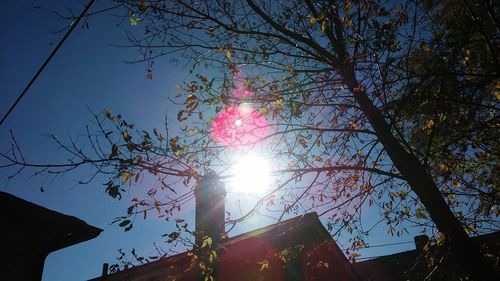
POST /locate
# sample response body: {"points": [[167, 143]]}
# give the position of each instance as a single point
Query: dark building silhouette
{"points": [[30, 232], [415, 265], [296, 249]]}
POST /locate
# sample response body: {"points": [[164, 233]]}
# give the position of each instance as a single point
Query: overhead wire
{"points": [[46, 62], [384, 245], [377, 246], [389, 244]]}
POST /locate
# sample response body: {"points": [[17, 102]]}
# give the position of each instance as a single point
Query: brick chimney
{"points": [[210, 194]]}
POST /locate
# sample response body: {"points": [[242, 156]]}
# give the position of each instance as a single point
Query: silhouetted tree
{"points": [[358, 103]]}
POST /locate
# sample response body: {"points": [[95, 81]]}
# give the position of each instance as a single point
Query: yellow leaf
{"points": [[443, 167], [126, 136], [229, 54], [312, 21], [429, 124], [347, 7], [181, 152], [442, 117], [279, 103], [134, 20], [441, 240], [192, 131], [125, 177], [108, 113], [324, 25], [138, 158], [302, 142], [264, 265], [496, 90], [207, 241], [425, 48], [211, 256]]}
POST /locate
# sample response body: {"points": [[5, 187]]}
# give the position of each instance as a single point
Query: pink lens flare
{"points": [[239, 126]]}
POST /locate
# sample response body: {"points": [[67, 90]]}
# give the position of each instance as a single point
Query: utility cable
{"points": [[73, 25], [390, 244]]}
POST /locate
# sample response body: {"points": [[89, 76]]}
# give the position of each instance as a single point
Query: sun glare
{"points": [[251, 175]]}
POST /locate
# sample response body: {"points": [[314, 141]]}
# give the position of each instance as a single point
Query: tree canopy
{"points": [[386, 104]]}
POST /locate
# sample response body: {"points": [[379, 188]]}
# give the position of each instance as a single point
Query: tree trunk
{"points": [[423, 185]]}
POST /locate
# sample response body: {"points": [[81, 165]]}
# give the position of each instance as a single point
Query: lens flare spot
{"points": [[239, 126]]}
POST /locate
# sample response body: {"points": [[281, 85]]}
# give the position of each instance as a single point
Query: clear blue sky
{"points": [[86, 72]]}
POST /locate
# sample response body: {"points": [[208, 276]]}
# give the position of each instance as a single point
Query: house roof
{"points": [[30, 232], [412, 264], [308, 222], [305, 229], [41, 224]]}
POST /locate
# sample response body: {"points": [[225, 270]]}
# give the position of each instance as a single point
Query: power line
{"points": [[72, 27], [384, 245], [390, 244], [367, 258], [380, 245]]}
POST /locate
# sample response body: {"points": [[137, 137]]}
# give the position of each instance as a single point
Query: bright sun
{"points": [[251, 175]]}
